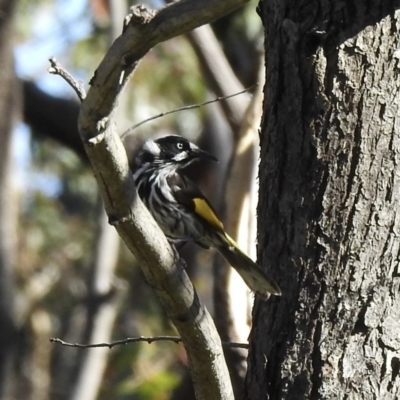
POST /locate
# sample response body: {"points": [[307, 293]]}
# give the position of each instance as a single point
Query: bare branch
{"points": [[161, 266], [190, 107], [57, 69], [143, 31], [148, 339], [220, 74], [100, 317], [231, 321], [241, 201]]}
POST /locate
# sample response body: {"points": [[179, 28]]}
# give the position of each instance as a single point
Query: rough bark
{"points": [[329, 208]]}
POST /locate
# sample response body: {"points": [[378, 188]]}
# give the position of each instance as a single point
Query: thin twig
{"points": [[163, 114], [148, 339], [57, 69]]}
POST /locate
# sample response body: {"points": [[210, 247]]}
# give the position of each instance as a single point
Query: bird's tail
{"points": [[255, 277]]}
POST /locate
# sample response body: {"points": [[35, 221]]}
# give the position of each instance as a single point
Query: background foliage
{"points": [[60, 213]]}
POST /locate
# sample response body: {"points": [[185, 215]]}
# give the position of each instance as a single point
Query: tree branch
{"points": [[100, 316], [190, 107], [148, 339], [56, 69], [160, 264], [143, 30], [220, 74], [230, 292]]}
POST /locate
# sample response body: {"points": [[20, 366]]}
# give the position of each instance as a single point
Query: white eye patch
{"points": [[181, 156], [152, 147]]}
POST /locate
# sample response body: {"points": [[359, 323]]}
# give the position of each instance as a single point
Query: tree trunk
{"points": [[9, 107], [329, 218]]}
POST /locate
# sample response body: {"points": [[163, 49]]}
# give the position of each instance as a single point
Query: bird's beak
{"points": [[203, 154]]}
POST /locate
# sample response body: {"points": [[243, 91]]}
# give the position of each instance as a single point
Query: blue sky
{"points": [[55, 26]]}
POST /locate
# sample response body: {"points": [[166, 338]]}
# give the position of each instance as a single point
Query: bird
{"points": [[181, 210]]}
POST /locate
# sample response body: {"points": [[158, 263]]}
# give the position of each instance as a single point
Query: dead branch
{"points": [[220, 74], [147, 339], [100, 316], [190, 107], [161, 266], [56, 69]]}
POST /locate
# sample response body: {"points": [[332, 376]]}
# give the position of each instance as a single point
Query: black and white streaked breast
{"points": [[172, 217]]}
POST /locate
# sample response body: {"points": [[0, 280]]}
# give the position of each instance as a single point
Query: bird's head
{"points": [[172, 151]]}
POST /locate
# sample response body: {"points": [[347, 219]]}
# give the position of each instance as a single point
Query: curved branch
{"points": [[161, 266], [143, 30]]}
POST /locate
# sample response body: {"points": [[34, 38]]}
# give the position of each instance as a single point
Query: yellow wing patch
{"points": [[202, 208]]}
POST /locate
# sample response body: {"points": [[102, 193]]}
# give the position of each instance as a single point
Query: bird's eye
{"points": [[179, 146]]}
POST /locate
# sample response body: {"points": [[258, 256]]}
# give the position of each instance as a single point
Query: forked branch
{"points": [[163, 270]]}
